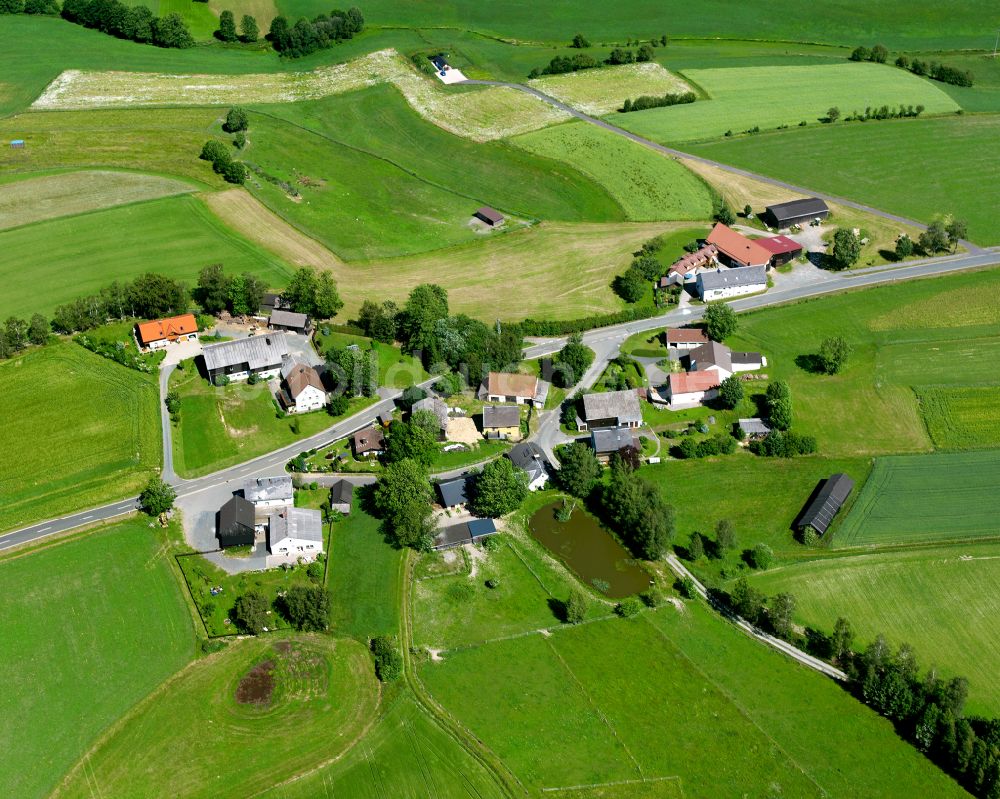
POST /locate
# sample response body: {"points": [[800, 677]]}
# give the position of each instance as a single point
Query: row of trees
{"points": [[308, 36], [46, 7], [150, 296], [880, 112], [223, 163], [937, 71], [216, 291], [16, 334], [136, 23], [248, 33], [562, 64], [656, 101]]}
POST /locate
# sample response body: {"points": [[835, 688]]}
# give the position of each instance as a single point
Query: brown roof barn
{"points": [[491, 216], [738, 248]]}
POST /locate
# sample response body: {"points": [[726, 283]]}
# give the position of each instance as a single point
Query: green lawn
{"points": [[91, 436], [664, 696], [743, 97], [647, 185], [941, 601], [937, 165], [53, 262], [104, 603], [220, 426], [181, 740], [920, 498], [395, 369]]}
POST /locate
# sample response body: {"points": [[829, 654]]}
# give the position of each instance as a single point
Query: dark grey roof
{"points": [[809, 206], [453, 492], [453, 536], [746, 357], [526, 455], [259, 352], [740, 276], [491, 215], [827, 502], [481, 527], [236, 519], [341, 493], [501, 416], [289, 319], [620, 405], [711, 354], [611, 439], [434, 405]]}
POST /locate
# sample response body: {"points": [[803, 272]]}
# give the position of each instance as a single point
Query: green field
{"points": [[57, 261], [962, 418], [221, 426], [937, 165], [50, 466], [656, 697], [770, 96], [912, 499], [648, 186], [395, 369], [183, 739], [941, 601], [88, 627]]}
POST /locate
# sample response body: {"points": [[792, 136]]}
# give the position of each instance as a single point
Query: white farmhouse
{"points": [[294, 535], [269, 492], [722, 284], [303, 390]]}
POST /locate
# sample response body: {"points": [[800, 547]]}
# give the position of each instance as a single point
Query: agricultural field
{"points": [[47, 197], [962, 418], [588, 716], [742, 98], [404, 755], [601, 91], [647, 185], [59, 260], [942, 601], [69, 617], [108, 452], [915, 499], [297, 703], [956, 148], [222, 426]]}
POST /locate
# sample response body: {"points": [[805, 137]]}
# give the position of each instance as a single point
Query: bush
{"points": [[388, 660], [236, 120], [628, 607], [575, 607], [761, 556], [307, 607], [653, 598], [250, 612], [687, 589]]}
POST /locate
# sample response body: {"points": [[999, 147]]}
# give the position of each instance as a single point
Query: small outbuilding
{"points": [[470, 532], [281, 319], [753, 428], [341, 496], [795, 212], [685, 338], [491, 216], [454, 493], [782, 248], [828, 500]]}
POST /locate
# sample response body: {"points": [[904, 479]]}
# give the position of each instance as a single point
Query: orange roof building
{"points": [[740, 250], [693, 382], [160, 332]]}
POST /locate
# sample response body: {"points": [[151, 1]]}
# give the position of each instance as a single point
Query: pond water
{"points": [[590, 551]]}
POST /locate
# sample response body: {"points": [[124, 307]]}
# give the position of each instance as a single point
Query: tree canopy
{"points": [[720, 320], [403, 500], [579, 469], [499, 489], [638, 512]]}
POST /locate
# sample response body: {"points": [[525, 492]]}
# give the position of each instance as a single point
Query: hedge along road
{"points": [[972, 248]]}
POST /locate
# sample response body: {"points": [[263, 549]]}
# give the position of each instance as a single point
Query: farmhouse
{"points": [[303, 390], [341, 496], [502, 422], [517, 388], [607, 441], [470, 532], [782, 249], [491, 216], [294, 535], [610, 409], [281, 319], [269, 492], [160, 333], [438, 408], [685, 338], [690, 389], [529, 458], [685, 268], [828, 500], [795, 212], [258, 355], [724, 283], [368, 442], [235, 523], [454, 492], [736, 249], [712, 357]]}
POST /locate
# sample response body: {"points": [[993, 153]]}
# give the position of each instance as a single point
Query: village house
{"points": [[610, 409], [281, 319], [736, 249], [726, 283], [294, 535], [607, 441], [368, 443], [269, 492], [341, 497], [237, 360], [712, 356], [436, 407], [516, 388], [685, 338], [454, 493], [235, 523], [303, 388], [690, 389], [529, 458], [686, 267], [795, 212], [502, 422], [160, 333]]}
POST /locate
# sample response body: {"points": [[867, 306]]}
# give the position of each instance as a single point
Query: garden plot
{"points": [[601, 91], [484, 115]]}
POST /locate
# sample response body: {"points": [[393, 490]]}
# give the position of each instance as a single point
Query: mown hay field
{"points": [[47, 197], [647, 185], [911, 499], [744, 97], [88, 627], [188, 734], [941, 601], [601, 91], [937, 166], [77, 430]]}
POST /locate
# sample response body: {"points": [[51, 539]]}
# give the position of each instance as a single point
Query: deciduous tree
{"points": [[403, 500], [307, 607], [250, 612], [934, 239], [575, 607], [212, 291], [731, 391], [237, 118], [39, 329], [410, 441], [499, 489], [579, 470], [720, 321], [227, 27], [249, 32], [846, 248], [780, 610], [833, 354], [157, 497], [572, 361], [725, 536], [328, 301]]}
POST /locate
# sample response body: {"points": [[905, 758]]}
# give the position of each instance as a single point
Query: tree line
{"points": [[149, 296], [45, 7], [647, 101], [16, 334], [562, 64], [308, 36], [226, 32], [135, 23], [932, 69]]}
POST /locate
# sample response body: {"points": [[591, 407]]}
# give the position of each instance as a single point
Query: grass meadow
{"points": [[601, 91], [938, 166], [77, 430], [185, 738], [52, 262], [741, 98], [88, 627], [913, 499], [653, 698], [395, 369], [942, 601], [962, 418], [648, 186]]}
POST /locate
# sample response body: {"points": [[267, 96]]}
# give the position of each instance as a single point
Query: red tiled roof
{"points": [[779, 245], [738, 247], [169, 329], [686, 335], [688, 382]]}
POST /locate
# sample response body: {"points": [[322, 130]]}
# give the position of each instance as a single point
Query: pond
{"points": [[590, 551]]}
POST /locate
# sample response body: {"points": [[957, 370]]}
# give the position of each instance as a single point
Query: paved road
{"points": [[675, 153]]}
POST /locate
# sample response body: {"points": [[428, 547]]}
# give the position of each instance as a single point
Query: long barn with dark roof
{"points": [[795, 212], [828, 500]]}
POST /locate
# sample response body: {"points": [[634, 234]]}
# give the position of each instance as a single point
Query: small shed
{"points": [[17, 144], [491, 216], [289, 320], [828, 500], [480, 528], [753, 428], [341, 496], [453, 492]]}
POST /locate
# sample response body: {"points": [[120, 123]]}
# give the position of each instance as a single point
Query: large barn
{"points": [[795, 212], [828, 500]]}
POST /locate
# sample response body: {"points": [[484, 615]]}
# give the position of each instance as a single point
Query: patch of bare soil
{"points": [[257, 685]]}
